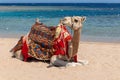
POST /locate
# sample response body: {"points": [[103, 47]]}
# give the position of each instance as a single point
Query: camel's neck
{"points": [[75, 41], [76, 35]]}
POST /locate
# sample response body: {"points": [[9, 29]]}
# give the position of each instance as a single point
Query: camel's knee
{"points": [[53, 59]]}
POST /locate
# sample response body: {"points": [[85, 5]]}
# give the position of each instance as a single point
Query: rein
{"points": [[72, 22]]}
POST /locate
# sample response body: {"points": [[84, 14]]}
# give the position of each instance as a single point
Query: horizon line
{"points": [[60, 3]]}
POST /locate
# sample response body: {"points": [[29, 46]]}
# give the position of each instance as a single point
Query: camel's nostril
{"points": [[63, 23]]}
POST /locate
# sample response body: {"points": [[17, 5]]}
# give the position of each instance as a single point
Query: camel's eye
{"points": [[65, 19], [76, 20]]}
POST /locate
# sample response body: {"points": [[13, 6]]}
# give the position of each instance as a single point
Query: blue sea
{"points": [[102, 19]]}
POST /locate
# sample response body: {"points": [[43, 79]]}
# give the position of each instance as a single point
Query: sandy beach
{"points": [[103, 64]]}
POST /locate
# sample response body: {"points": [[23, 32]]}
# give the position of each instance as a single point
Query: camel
{"points": [[75, 23]]}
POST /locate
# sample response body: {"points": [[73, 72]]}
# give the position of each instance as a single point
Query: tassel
{"points": [[25, 51]]}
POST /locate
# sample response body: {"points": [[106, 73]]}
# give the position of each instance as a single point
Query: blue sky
{"points": [[59, 1]]}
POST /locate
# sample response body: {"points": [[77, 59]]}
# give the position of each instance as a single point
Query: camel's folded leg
{"points": [[83, 62], [57, 62], [18, 55]]}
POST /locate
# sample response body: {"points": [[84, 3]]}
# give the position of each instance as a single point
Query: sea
{"points": [[102, 19]]}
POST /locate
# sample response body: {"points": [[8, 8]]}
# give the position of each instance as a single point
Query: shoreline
{"points": [[81, 41]]}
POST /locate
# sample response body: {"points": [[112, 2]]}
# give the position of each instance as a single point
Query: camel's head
{"points": [[74, 22]]}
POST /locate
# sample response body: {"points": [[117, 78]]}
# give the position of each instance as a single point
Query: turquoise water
{"points": [[102, 23]]}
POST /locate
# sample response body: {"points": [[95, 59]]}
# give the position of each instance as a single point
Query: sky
{"points": [[59, 1]]}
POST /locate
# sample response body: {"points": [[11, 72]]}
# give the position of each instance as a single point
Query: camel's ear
{"points": [[37, 20], [83, 18]]}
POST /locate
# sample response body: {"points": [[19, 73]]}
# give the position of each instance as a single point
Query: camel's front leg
{"points": [[57, 62], [83, 62], [70, 49]]}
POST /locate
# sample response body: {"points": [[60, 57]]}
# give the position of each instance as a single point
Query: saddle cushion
{"points": [[41, 41]]}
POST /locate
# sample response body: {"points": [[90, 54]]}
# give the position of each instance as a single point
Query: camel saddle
{"points": [[41, 41]]}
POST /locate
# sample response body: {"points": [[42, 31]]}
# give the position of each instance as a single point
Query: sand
{"points": [[103, 64]]}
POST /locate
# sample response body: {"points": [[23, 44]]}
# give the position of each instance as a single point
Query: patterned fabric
{"points": [[38, 43], [41, 41], [40, 52], [40, 33]]}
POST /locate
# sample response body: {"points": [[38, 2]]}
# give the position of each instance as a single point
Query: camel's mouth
{"points": [[64, 24]]}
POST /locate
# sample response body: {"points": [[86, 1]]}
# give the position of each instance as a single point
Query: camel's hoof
{"points": [[73, 64], [70, 65], [83, 62]]}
